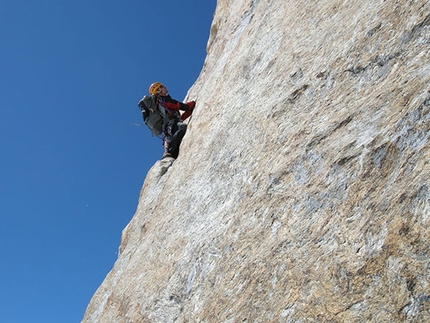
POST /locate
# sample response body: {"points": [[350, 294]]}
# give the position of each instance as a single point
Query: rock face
{"points": [[302, 189]]}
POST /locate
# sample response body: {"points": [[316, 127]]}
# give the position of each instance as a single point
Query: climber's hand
{"points": [[191, 104]]}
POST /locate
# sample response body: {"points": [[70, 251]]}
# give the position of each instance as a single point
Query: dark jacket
{"points": [[171, 107]]}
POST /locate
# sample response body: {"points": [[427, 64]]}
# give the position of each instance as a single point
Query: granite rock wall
{"points": [[302, 189]]}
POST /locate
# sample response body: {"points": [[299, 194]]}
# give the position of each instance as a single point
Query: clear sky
{"points": [[72, 162]]}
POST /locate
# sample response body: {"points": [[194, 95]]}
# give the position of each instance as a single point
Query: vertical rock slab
{"points": [[301, 192]]}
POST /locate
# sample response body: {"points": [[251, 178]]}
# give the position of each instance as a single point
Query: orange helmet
{"points": [[153, 89]]}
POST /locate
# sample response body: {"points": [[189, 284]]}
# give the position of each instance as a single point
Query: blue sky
{"points": [[72, 162]]}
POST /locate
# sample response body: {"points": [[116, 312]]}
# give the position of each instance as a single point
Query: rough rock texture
{"points": [[302, 190]]}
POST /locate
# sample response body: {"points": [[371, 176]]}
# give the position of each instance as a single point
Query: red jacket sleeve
{"points": [[173, 104]]}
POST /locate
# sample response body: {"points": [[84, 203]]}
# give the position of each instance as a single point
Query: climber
{"points": [[173, 128]]}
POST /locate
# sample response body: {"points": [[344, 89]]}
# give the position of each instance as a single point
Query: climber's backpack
{"points": [[151, 115]]}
